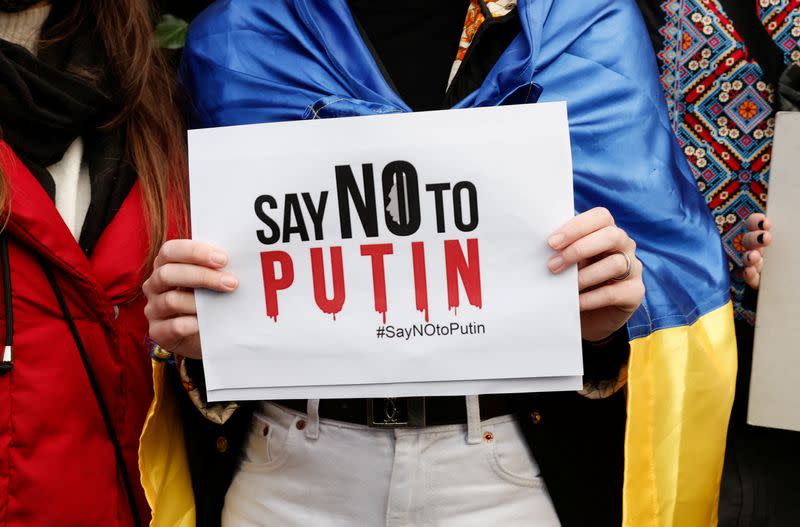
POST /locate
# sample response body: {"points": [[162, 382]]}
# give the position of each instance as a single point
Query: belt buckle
{"points": [[396, 412]]}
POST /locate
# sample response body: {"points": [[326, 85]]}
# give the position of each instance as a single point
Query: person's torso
{"points": [[58, 465]]}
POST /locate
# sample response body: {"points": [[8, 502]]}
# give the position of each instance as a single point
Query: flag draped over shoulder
{"points": [[249, 61]]}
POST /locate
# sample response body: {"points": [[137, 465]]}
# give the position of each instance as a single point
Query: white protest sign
{"points": [[394, 252], [774, 399]]}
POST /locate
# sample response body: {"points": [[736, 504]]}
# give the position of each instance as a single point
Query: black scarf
{"points": [[44, 109]]}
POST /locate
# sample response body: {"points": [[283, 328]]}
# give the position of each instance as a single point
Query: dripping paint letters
{"points": [[387, 251], [402, 216]]}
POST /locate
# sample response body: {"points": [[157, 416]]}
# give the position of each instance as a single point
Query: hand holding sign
{"points": [[606, 304], [609, 276], [374, 257], [755, 241], [181, 267]]}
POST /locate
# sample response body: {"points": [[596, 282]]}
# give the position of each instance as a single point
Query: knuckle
{"points": [[171, 300], [208, 278], [639, 290], [167, 250], [185, 326], [178, 328], [156, 331], [163, 274], [197, 252], [604, 215], [613, 296], [576, 252], [621, 263], [620, 236], [203, 277]]}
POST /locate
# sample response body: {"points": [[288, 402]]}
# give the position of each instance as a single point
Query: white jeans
{"points": [[300, 470]]}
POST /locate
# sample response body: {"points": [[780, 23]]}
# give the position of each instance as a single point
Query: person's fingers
{"points": [[752, 258], [191, 252], [606, 240], [171, 332], [626, 296], [611, 267], [752, 277], [580, 226], [758, 222], [757, 240], [173, 275], [169, 304]]}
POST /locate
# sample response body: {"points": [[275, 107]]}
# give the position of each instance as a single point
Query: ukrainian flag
{"points": [[251, 61]]}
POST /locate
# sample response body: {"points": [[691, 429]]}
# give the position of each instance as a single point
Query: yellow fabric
{"points": [[680, 392], [162, 459]]}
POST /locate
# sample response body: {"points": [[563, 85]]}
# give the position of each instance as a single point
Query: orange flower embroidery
{"points": [[738, 243], [748, 109], [687, 42]]}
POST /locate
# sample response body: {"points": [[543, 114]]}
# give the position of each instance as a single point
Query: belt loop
{"points": [[473, 420], [312, 426]]}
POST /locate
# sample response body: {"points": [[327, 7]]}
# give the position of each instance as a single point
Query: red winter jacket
{"points": [[57, 463]]}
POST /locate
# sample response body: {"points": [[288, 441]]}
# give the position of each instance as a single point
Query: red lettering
{"points": [[272, 284], [377, 252], [420, 278], [469, 271], [333, 305]]}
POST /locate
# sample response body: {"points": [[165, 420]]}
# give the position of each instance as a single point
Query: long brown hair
{"points": [[142, 85]]}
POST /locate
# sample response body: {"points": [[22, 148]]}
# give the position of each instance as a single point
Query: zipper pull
{"points": [[8, 360]]}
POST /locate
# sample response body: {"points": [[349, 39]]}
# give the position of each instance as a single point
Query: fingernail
{"points": [[229, 282], [219, 259], [556, 240], [761, 238], [555, 263], [747, 257], [761, 225]]}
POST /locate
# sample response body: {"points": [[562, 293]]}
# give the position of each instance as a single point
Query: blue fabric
{"points": [[251, 61]]}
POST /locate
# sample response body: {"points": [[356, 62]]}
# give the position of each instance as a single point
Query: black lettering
{"points": [[438, 193], [292, 210], [401, 210], [347, 189], [472, 195], [316, 213], [269, 222]]}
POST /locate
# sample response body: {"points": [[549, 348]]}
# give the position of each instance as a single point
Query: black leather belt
{"points": [[401, 412]]}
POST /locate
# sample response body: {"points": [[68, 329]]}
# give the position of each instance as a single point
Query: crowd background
{"points": [[741, 55], [725, 65]]}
